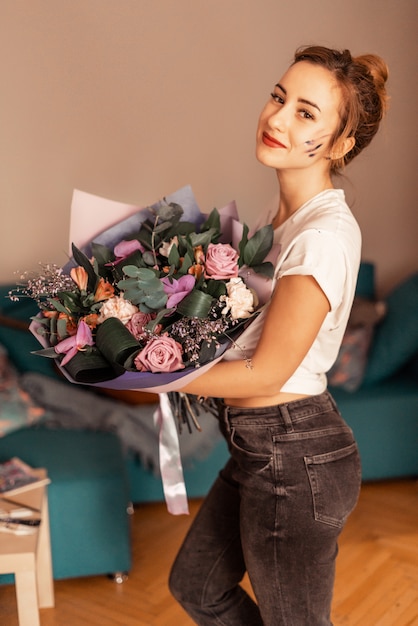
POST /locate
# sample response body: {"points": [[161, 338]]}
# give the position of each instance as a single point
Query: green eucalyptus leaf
{"points": [[183, 245], [164, 313], [58, 306], [143, 288], [152, 302], [142, 273], [88, 301], [53, 338], [70, 299], [186, 264], [47, 352], [43, 321], [266, 269], [207, 352], [213, 222], [216, 288], [144, 235], [204, 239], [162, 227], [149, 258], [258, 246], [62, 328], [182, 229], [102, 254], [242, 244], [174, 256], [135, 259], [169, 212]]}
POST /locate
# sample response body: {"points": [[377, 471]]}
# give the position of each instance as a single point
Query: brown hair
{"points": [[362, 80]]}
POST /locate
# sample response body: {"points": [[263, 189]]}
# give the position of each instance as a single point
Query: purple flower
{"points": [[73, 344], [124, 248], [177, 289]]}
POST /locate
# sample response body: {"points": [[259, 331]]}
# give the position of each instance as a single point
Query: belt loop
{"points": [[286, 418], [225, 418], [225, 412]]}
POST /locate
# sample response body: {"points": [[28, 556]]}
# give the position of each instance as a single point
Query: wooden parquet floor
{"points": [[376, 585]]}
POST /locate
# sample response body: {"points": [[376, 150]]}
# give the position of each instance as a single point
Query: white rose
{"points": [[240, 300], [117, 307], [167, 245]]}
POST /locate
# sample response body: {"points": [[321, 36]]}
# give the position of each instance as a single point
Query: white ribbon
{"points": [[170, 459]]}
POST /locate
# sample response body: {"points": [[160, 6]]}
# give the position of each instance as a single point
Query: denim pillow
{"points": [[395, 340]]}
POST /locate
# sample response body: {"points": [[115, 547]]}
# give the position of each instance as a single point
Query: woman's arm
{"points": [[294, 318]]}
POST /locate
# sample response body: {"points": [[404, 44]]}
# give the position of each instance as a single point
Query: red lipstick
{"points": [[272, 143]]}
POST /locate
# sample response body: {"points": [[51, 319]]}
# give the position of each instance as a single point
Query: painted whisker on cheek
{"points": [[312, 151], [313, 145]]}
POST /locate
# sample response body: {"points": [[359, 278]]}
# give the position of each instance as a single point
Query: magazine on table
{"points": [[16, 477]]}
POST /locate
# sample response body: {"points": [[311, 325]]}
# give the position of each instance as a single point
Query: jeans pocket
{"points": [[335, 479], [252, 450]]}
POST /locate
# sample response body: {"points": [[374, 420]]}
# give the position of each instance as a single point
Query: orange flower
{"points": [[51, 315], [198, 267], [80, 277], [104, 291], [199, 255], [71, 323], [196, 270], [91, 320]]}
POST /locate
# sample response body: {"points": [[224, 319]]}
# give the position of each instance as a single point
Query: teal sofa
{"points": [[94, 480], [382, 410]]}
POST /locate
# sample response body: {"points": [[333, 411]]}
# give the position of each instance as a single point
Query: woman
{"points": [[280, 503]]}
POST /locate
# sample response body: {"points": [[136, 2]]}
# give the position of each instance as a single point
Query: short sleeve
{"points": [[318, 253]]}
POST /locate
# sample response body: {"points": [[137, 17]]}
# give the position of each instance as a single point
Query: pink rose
{"points": [[221, 261], [137, 323], [161, 354]]}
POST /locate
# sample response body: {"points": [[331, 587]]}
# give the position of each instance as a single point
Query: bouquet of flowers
{"points": [[149, 301], [166, 298]]}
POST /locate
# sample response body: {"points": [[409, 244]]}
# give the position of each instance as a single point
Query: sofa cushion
{"points": [[348, 370], [366, 280], [396, 337], [87, 498], [17, 409]]}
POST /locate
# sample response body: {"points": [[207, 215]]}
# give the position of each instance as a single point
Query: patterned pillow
{"points": [[349, 369], [16, 407]]}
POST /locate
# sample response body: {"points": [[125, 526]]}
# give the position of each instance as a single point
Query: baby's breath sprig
{"points": [[47, 283]]}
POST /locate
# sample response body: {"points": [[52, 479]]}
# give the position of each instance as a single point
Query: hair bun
{"points": [[379, 72]]}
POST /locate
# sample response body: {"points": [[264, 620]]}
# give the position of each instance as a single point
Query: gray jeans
{"points": [[276, 510]]}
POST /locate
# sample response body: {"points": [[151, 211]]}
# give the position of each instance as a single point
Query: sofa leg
{"points": [[118, 577]]}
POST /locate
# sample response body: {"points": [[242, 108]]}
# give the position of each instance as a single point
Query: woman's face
{"points": [[298, 122]]}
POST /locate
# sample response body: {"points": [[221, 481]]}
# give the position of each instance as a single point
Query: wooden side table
{"points": [[28, 557]]}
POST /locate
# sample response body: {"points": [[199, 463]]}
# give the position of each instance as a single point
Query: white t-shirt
{"points": [[321, 239]]}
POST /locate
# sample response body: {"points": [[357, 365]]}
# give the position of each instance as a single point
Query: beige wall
{"points": [[131, 99]]}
